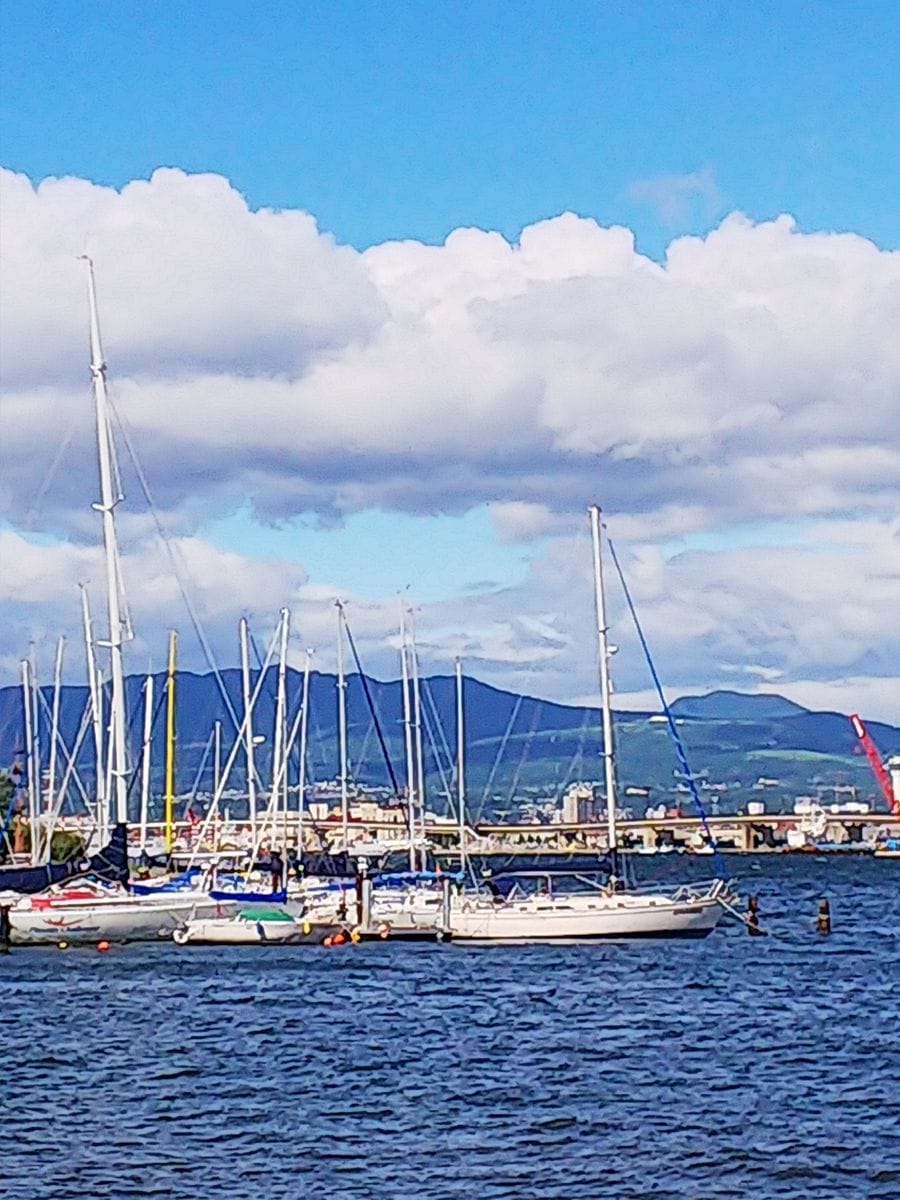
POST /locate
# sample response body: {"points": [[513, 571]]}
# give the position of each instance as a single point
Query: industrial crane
{"points": [[871, 752]]}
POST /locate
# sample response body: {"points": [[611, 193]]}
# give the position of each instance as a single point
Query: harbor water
{"points": [[764, 1067]]}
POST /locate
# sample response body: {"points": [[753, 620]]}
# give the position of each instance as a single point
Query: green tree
{"points": [[7, 791], [64, 845], [7, 787]]}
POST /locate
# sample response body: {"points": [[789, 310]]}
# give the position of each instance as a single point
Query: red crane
{"points": [[871, 751]]}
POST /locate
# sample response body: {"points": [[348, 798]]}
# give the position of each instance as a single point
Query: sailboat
{"points": [[551, 906], [94, 908]]}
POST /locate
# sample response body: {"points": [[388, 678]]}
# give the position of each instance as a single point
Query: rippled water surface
{"points": [[733, 1067]]}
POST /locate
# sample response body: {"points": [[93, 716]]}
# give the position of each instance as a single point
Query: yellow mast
{"points": [[170, 745]]}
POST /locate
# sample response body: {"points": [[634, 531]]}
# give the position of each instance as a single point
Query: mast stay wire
{"points": [[426, 688], [269, 682], [71, 773], [499, 755], [576, 762], [198, 775], [356, 770], [382, 741], [160, 704], [673, 729], [374, 712], [178, 566], [432, 722], [427, 726], [68, 756], [526, 750], [33, 505]]}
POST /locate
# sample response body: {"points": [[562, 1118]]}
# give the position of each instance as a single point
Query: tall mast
{"points": [[279, 772], [248, 729], [609, 768], [54, 738], [417, 717], [54, 722], [96, 717], [33, 781], [304, 735], [35, 752], [408, 741], [217, 755], [342, 725], [106, 507], [170, 743], [460, 766], [145, 759], [107, 757]]}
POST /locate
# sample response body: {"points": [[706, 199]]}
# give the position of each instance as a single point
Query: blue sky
{"points": [[406, 120], [739, 423], [424, 551]]}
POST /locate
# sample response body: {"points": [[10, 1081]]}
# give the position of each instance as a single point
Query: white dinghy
{"points": [[253, 925]]}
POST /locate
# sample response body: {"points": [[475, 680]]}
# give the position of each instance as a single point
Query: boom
{"points": [[871, 751]]}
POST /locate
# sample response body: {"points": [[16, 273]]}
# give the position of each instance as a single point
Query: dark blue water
{"points": [[734, 1067]]}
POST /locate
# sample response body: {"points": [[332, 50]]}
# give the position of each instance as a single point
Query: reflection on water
{"points": [[734, 1067]]}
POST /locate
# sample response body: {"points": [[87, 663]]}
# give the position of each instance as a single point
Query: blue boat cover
{"points": [[251, 897], [110, 864], [179, 883]]}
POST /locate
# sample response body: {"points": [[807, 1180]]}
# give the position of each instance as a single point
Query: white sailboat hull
{"points": [[120, 917], [576, 918], [237, 931]]}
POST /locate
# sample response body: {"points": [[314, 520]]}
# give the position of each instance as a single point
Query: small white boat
{"points": [[251, 926]]}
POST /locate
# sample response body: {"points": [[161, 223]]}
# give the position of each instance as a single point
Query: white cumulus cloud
{"points": [[753, 376]]}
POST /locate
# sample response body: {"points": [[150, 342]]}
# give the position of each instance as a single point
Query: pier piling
{"points": [[753, 926]]}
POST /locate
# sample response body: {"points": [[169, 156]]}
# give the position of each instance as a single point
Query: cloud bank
{"points": [[751, 380]]}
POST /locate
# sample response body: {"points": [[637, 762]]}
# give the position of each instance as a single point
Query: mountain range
{"points": [[517, 747]]}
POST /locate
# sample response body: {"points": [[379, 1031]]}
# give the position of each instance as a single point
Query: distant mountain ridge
{"points": [[737, 706], [516, 745]]}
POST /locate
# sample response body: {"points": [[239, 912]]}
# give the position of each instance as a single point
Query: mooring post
{"points": [[753, 927], [445, 903], [5, 929], [823, 920]]}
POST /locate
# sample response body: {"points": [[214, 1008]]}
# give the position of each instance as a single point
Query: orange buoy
{"points": [[103, 945], [329, 941], [339, 939]]}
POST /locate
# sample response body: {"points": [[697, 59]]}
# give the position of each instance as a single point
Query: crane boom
{"points": [[871, 752]]}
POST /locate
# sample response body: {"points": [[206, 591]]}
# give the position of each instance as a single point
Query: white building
{"points": [[580, 804]]}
